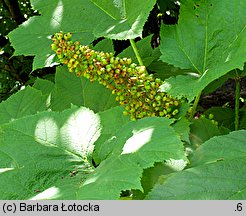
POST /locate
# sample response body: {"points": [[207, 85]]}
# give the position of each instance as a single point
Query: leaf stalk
{"points": [[134, 47], [237, 98], [195, 105]]}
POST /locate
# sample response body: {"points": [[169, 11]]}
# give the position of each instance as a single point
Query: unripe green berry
{"points": [[151, 96], [176, 103], [141, 69], [112, 59], [129, 70], [175, 112], [147, 87], [169, 109], [68, 36], [158, 97], [108, 68], [125, 112], [133, 65], [54, 47], [147, 100], [210, 116], [132, 110], [214, 122], [127, 108], [128, 61], [190, 110]]}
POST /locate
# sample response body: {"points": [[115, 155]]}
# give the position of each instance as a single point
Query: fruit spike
{"points": [[134, 88]]}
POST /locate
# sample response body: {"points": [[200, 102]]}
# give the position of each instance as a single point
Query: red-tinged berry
{"points": [[58, 51], [79, 73]]}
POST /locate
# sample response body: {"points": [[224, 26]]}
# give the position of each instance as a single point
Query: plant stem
{"points": [[237, 97], [133, 44], [195, 105]]}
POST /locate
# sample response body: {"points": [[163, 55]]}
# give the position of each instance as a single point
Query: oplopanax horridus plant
{"points": [[135, 89]]}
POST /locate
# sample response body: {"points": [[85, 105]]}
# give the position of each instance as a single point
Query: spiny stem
{"points": [[133, 44], [237, 98], [195, 105]]}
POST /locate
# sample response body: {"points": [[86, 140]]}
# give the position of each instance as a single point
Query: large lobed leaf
{"points": [[209, 39], [25, 102], [70, 89], [134, 147], [48, 155], [39, 152], [217, 172], [87, 19]]}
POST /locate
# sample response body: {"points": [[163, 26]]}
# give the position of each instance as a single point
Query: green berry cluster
{"points": [[134, 88]]}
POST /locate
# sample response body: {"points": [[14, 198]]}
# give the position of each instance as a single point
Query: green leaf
{"points": [[122, 19], [110, 178], [203, 129], [166, 5], [70, 89], [147, 135], [25, 102], [217, 172], [218, 82], [136, 146], [86, 19], [150, 177], [45, 156], [164, 70], [106, 45], [221, 149], [209, 39], [45, 86], [41, 152], [182, 127], [102, 149], [33, 36]]}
